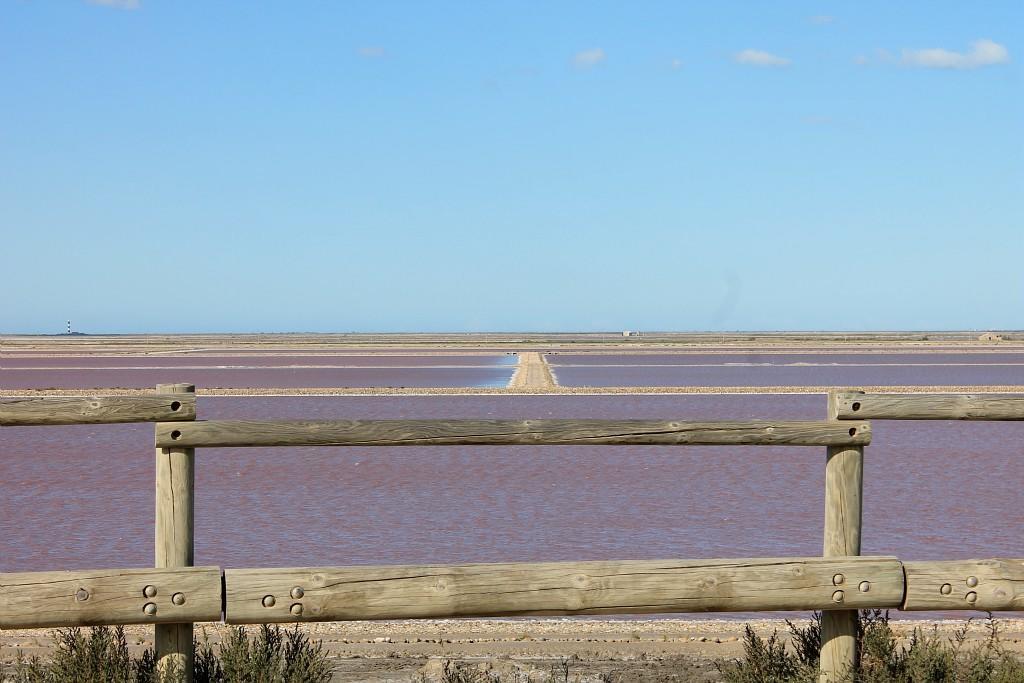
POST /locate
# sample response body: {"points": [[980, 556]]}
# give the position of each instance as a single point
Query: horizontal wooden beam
{"points": [[626, 587], [859, 406], [240, 433], [72, 410], [110, 596], [988, 585]]}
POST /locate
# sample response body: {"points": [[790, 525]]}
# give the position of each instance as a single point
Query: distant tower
{"points": [[69, 327]]}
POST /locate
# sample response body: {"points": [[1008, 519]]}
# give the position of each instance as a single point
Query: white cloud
{"points": [[982, 53], [676, 64], [822, 19], [372, 52], [119, 4], [760, 58], [589, 58]]}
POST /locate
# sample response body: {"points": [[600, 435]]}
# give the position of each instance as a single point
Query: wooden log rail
{"points": [[256, 433], [74, 410], [854, 405], [258, 596], [992, 585], [110, 596], [625, 587]]}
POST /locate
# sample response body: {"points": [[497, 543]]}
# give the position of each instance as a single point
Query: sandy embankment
{"points": [[533, 374]]}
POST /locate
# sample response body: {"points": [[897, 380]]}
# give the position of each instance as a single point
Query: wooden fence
{"points": [[174, 594]]}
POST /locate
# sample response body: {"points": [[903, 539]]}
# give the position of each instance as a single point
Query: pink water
{"points": [[788, 369], [237, 359], [721, 368], [77, 497], [239, 371]]}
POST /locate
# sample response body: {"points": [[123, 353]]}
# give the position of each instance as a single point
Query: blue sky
{"points": [[415, 166]]}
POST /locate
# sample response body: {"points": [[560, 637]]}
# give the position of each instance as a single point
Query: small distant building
{"points": [[990, 337], [630, 333]]}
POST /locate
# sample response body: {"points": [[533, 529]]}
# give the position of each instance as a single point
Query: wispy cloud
{"points": [[372, 52], [822, 19], [760, 58], [588, 58], [981, 53], [118, 4], [676, 64]]}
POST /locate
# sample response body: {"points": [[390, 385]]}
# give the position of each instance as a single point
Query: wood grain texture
{"points": [[241, 433], [69, 410], [109, 596], [174, 537], [861, 406], [844, 485], [993, 585], [623, 587]]}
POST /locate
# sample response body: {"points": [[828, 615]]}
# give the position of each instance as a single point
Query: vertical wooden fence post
{"points": [[844, 483], [175, 484]]}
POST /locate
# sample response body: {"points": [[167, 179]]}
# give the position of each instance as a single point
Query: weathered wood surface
{"points": [[844, 485], [237, 433], [990, 585], [174, 538], [860, 406], [624, 587], [109, 596], [71, 410]]}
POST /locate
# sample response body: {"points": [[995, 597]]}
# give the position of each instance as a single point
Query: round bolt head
{"points": [[82, 595], [149, 591], [838, 596], [296, 609], [971, 597], [269, 601], [297, 592], [149, 608], [946, 589], [865, 586], [838, 580], [178, 598], [972, 581]]}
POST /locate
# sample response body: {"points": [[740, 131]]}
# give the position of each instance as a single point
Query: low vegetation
{"points": [[102, 656], [925, 658], [273, 655]]}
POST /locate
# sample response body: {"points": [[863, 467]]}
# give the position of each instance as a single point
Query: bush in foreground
{"points": [[926, 658], [270, 656]]}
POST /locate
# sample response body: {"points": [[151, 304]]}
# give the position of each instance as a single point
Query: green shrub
{"points": [[100, 657], [927, 658], [766, 660], [271, 656]]}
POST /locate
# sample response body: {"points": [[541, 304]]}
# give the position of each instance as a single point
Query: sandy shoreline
{"points": [[632, 649], [521, 391]]}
